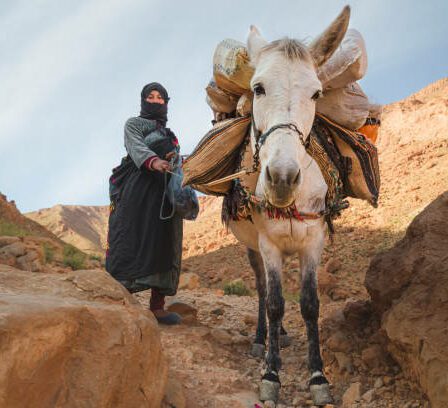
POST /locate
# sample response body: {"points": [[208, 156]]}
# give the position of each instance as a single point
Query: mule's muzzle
{"points": [[281, 185]]}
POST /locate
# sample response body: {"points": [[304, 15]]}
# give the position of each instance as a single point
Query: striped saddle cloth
{"points": [[347, 159]]}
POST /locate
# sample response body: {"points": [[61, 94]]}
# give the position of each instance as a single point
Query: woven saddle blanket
{"points": [[348, 162]]}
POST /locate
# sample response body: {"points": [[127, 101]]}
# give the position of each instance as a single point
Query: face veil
{"points": [[154, 111]]}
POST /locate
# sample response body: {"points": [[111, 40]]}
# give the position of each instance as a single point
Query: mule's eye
{"points": [[259, 90], [317, 95]]}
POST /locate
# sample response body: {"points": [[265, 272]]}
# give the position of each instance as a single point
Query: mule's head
{"points": [[286, 86]]}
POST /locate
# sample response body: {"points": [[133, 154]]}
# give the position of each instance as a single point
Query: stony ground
{"points": [[210, 357]]}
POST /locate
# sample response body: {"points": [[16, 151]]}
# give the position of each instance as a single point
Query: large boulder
{"points": [[76, 340], [408, 285]]}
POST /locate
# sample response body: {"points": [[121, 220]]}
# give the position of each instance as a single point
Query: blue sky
{"points": [[71, 74]]}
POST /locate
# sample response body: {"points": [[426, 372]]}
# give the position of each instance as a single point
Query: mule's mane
{"points": [[291, 48]]}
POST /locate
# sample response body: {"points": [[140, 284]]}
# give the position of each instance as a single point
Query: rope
{"points": [[228, 178]]}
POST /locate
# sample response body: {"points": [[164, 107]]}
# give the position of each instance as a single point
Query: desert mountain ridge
{"points": [[84, 227]]}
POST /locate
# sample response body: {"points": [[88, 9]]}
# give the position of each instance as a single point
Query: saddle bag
{"points": [[216, 156], [358, 163]]}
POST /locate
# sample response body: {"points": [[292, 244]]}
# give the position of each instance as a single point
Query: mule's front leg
{"points": [[275, 305], [256, 262], [309, 305]]}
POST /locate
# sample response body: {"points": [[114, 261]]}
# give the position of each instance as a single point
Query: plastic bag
{"points": [[348, 63], [348, 106], [184, 200]]}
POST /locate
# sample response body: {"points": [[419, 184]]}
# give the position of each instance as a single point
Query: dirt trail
{"points": [[210, 358]]}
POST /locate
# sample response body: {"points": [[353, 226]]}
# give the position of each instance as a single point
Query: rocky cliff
{"points": [[408, 285]]}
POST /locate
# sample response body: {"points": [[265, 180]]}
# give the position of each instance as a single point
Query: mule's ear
{"points": [[255, 42], [323, 47]]}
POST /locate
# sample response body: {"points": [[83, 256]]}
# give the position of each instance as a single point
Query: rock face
{"points": [[84, 227], [409, 289], [76, 340]]}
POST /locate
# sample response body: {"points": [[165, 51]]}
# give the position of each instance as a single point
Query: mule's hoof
{"points": [[320, 393], [257, 350], [269, 391], [284, 341]]}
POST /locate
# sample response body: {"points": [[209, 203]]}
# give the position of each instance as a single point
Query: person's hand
{"points": [[170, 155], [160, 165]]}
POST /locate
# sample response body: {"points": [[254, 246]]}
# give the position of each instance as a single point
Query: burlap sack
{"points": [[219, 100], [244, 106], [348, 106], [348, 64], [231, 69], [216, 156]]}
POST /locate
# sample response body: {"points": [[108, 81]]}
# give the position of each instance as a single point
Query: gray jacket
{"points": [[138, 132]]}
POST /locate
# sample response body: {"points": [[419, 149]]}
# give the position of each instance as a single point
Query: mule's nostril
{"points": [[268, 174], [296, 178]]}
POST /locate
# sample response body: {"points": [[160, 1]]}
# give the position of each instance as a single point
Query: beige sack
{"points": [[348, 63], [244, 106], [348, 106], [219, 100], [231, 68]]}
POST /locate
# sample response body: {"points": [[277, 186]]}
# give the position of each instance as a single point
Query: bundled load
{"points": [[220, 100], [231, 67], [347, 106], [216, 156], [346, 156], [347, 65], [343, 100]]}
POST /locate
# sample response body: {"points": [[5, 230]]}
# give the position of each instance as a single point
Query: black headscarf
{"points": [[154, 111]]}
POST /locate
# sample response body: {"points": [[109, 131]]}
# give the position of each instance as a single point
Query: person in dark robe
{"points": [[145, 246]]}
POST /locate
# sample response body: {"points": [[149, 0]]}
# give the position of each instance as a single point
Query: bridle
{"points": [[262, 204], [260, 138]]}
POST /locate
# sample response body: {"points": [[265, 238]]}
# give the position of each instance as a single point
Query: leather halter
{"points": [[262, 138]]}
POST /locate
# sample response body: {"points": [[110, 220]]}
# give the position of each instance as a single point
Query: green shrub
{"points": [[237, 288], [48, 252], [73, 257], [10, 229]]}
